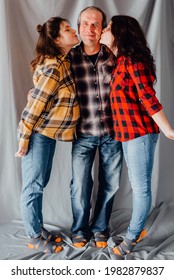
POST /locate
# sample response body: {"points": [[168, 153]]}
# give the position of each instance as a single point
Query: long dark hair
{"points": [[130, 41], [46, 46]]}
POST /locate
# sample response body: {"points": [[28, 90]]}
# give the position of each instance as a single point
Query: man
{"points": [[92, 67]]}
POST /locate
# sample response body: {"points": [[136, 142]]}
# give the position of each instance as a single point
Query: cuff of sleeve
{"points": [[23, 143], [154, 109]]}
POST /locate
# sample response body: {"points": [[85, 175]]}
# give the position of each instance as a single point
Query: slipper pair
{"points": [[46, 242], [127, 245], [100, 239]]}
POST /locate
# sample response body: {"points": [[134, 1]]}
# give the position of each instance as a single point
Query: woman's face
{"points": [[106, 37], [67, 38]]}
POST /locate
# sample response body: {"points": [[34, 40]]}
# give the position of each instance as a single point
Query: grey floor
{"points": [[158, 244]]}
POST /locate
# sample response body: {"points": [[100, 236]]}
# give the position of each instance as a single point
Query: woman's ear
{"points": [[57, 40]]}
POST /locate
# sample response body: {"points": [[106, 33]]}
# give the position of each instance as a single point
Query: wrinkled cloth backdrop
{"points": [[18, 20]]}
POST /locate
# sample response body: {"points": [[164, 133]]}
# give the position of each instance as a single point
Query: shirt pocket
{"points": [[119, 80], [106, 73]]}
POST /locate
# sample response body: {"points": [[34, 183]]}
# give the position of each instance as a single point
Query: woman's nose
{"points": [[104, 30]]}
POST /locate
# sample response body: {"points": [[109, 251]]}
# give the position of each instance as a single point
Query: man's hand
{"points": [[30, 93]]}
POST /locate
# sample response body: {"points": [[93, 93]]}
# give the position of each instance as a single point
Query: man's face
{"points": [[90, 27]]}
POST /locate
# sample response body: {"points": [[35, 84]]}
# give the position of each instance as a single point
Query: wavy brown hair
{"points": [[130, 41], [46, 46]]}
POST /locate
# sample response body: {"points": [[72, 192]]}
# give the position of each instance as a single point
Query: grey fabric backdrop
{"points": [[18, 20]]}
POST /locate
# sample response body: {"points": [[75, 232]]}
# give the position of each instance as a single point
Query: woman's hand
{"points": [[164, 124], [21, 152], [170, 133]]}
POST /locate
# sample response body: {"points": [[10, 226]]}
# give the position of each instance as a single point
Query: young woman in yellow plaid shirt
{"points": [[51, 114]]}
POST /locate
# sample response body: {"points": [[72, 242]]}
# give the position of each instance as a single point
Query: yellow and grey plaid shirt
{"points": [[53, 109]]}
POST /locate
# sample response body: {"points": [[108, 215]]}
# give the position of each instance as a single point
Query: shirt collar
{"points": [[62, 57], [81, 49]]}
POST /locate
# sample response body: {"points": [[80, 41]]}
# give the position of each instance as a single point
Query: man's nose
{"points": [[90, 28]]}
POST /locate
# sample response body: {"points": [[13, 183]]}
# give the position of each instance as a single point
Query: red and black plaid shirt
{"points": [[133, 100]]}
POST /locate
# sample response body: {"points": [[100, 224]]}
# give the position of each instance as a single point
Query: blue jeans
{"points": [[36, 169], [139, 157], [110, 164]]}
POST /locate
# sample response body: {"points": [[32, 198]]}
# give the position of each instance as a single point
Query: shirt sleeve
{"points": [[46, 86], [143, 81]]}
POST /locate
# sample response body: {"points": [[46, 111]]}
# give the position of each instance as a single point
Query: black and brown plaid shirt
{"points": [[93, 89], [133, 100]]}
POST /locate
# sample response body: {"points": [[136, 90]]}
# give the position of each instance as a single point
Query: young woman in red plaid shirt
{"points": [[137, 116]]}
